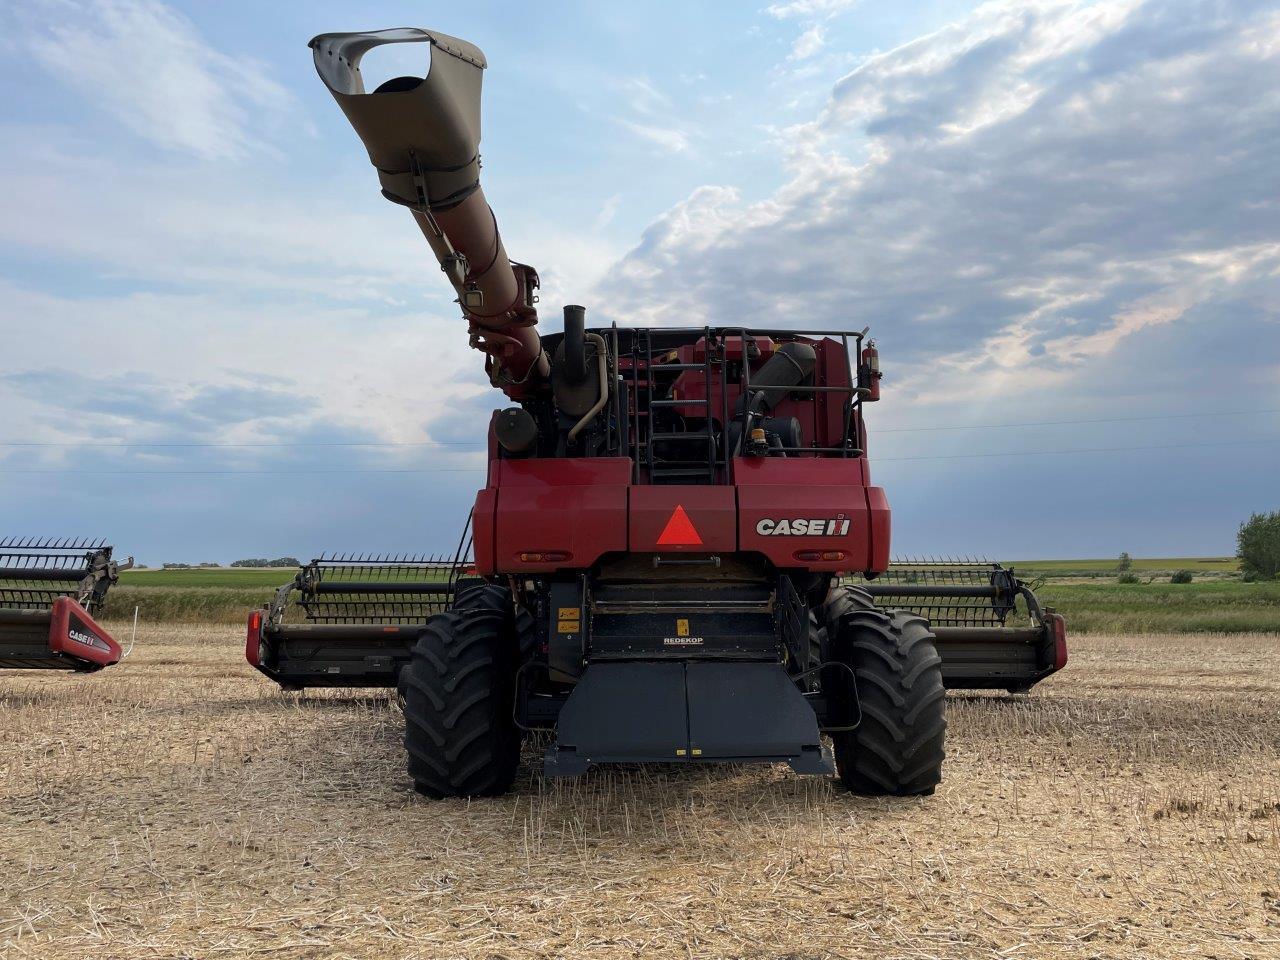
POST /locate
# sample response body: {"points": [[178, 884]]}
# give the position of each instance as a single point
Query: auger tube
{"points": [[423, 136]]}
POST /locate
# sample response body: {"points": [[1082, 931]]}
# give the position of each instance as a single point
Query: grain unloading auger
{"points": [[50, 591], [677, 540]]}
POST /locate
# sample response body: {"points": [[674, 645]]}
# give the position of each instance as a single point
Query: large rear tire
{"points": [[898, 747], [458, 690]]}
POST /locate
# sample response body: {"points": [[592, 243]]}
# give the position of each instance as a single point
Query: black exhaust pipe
{"points": [[575, 343]]}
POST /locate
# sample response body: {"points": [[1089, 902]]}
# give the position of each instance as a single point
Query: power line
{"points": [[1058, 423], [248, 444], [1046, 453], [214, 444], [477, 468], [238, 473]]}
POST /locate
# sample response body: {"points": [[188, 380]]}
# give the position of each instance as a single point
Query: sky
{"points": [[1060, 220]]}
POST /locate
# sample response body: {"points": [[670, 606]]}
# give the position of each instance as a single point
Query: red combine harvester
{"points": [[50, 591], [677, 548]]}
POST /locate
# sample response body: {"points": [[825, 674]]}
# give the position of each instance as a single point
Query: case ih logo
{"points": [[88, 639], [803, 527]]}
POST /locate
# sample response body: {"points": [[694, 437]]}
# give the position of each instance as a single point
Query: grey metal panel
{"points": [[686, 712], [622, 712], [435, 119], [747, 711], [976, 665]]}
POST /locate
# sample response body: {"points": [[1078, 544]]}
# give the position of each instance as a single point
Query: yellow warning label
{"points": [[682, 627], [568, 626], [570, 613]]}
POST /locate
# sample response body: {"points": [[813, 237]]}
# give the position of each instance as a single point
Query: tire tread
{"points": [[899, 746], [459, 734]]}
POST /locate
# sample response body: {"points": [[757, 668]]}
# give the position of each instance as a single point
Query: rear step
{"points": [[968, 605], [354, 622], [49, 592]]}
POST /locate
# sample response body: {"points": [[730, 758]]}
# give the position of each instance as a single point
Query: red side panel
{"points": [[483, 522], [802, 512], [878, 555], [73, 633], [253, 639], [680, 519], [572, 511], [1058, 625]]}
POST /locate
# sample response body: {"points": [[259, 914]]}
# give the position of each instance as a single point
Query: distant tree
{"points": [[285, 562], [207, 565], [1125, 563], [252, 562], [176, 566], [1127, 578], [1181, 576], [1258, 545]]}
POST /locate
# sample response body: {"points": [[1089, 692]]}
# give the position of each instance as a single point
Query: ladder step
{"points": [[677, 403], [681, 436]]}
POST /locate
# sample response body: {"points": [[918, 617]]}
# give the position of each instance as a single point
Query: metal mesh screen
{"points": [[35, 572], [953, 593], [376, 589]]}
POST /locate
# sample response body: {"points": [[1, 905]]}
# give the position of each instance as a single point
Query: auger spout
{"points": [[423, 136]]}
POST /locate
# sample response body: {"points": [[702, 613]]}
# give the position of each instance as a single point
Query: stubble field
{"points": [[178, 806]]}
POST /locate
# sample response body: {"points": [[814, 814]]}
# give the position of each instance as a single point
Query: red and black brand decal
{"points": [[803, 526], [80, 632]]}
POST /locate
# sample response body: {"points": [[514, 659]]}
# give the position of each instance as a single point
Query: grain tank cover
{"points": [[422, 133]]}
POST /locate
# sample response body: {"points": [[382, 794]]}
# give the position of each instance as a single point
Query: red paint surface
{"points": [[776, 488], [878, 548], [65, 614], [1058, 624], [570, 506], [253, 639], [711, 510], [483, 524]]}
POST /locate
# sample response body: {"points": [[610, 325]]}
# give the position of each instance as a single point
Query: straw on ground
{"points": [[178, 806]]}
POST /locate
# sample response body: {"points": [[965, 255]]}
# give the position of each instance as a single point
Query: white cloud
{"points": [[668, 139], [644, 97], [148, 67], [1005, 201], [195, 224], [809, 8], [608, 210], [808, 43]]}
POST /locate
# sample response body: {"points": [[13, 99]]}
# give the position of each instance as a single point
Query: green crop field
{"points": [[1108, 567], [220, 577], [1097, 605], [1199, 607], [254, 577]]}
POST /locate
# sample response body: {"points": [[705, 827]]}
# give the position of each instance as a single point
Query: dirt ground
{"points": [[178, 806]]}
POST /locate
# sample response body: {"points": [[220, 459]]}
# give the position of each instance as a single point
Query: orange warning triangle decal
{"points": [[679, 531]]}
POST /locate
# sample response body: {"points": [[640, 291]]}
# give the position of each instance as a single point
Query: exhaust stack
{"points": [[423, 136]]}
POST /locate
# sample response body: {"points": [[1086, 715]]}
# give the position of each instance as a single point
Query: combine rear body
{"points": [[678, 547], [50, 591]]}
